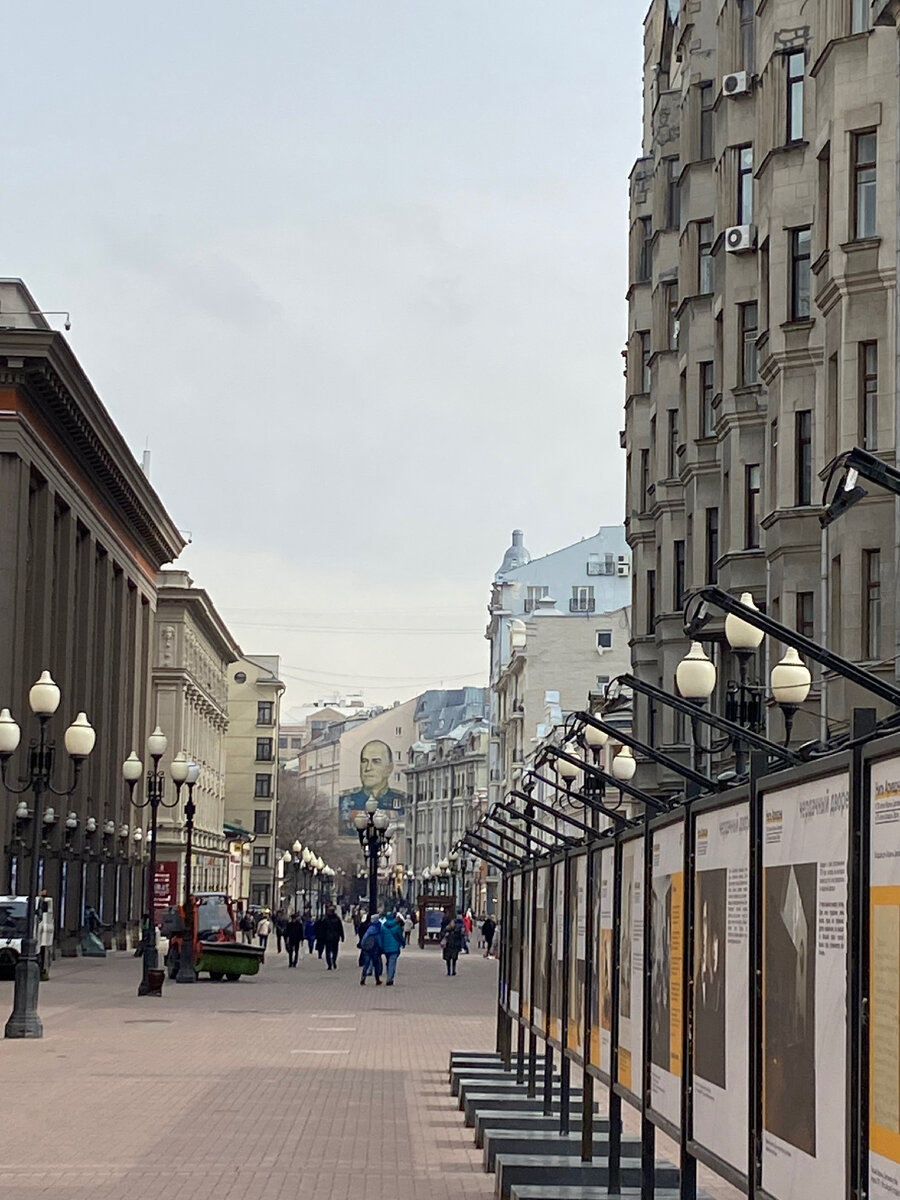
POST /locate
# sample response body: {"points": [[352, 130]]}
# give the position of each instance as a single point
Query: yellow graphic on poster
{"points": [[884, 983], [625, 1068], [675, 974]]}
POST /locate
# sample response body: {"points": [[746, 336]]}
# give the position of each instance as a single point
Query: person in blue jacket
{"points": [[392, 940], [370, 952]]}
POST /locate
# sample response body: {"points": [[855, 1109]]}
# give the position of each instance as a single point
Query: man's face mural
{"points": [[375, 766]]}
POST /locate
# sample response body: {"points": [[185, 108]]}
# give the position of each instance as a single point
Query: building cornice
{"points": [[40, 366]]}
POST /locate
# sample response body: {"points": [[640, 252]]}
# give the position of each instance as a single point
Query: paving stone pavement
{"points": [[293, 1084]]}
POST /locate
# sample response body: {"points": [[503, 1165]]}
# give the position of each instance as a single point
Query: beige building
{"points": [[192, 653], [761, 331], [251, 784]]}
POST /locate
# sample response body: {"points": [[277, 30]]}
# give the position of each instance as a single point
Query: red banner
{"points": [[165, 887]]}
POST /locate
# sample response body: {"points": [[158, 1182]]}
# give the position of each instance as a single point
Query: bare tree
{"points": [[310, 820]]}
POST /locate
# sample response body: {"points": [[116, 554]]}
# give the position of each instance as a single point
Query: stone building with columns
{"points": [[82, 537], [193, 650]]}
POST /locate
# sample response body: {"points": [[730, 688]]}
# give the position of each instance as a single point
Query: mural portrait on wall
{"points": [[376, 765]]}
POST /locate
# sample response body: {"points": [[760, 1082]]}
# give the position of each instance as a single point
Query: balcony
{"points": [[582, 605]]}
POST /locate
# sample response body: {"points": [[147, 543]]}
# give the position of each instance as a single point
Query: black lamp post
{"points": [[744, 698], [374, 838], [186, 972], [132, 769], [43, 699]]}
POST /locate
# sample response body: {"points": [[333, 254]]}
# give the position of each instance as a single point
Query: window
{"points": [[645, 480], [751, 506], [604, 639], [263, 786], [773, 463], [745, 185], [673, 193], [748, 36], [645, 249], [800, 248], [712, 543], [706, 262], [260, 856], [707, 413], [868, 395], [282, 742], [749, 321], [602, 682], [296, 743], [864, 170], [825, 195], [644, 336], [795, 69], [672, 443], [259, 895], [651, 600], [859, 16], [871, 562], [651, 722], [670, 294], [805, 623], [261, 820], [264, 749], [582, 599], [835, 619], [264, 712], [678, 574], [533, 593], [707, 100], [803, 452]]}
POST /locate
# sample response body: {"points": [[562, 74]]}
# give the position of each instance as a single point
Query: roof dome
{"points": [[516, 555]]}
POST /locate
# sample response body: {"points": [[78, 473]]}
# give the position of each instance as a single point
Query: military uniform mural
{"points": [[376, 765]]}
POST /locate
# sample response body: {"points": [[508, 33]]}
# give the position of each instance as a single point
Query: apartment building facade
{"points": [[761, 332], [251, 777]]}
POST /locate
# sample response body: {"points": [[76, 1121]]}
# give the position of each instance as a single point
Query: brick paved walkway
{"points": [[298, 1083]]}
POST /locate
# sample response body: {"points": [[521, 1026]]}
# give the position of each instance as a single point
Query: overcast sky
{"points": [[355, 270]]}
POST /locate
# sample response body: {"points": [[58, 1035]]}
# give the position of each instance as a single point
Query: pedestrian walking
{"points": [[451, 944], [263, 929], [488, 927], [319, 928], [332, 936], [309, 931], [280, 923], [370, 952], [293, 936], [392, 942], [468, 924], [408, 926], [246, 928]]}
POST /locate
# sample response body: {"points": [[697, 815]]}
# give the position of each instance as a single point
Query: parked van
{"points": [[13, 916]]}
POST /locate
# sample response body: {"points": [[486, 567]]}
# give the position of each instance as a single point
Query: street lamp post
{"points": [[132, 769], [374, 838], [186, 972], [79, 739]]}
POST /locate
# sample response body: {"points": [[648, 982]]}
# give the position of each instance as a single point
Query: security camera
{"points": [[68, 325]]}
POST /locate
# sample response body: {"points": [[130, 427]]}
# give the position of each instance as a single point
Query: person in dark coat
{"points": [[293, 936], [280, 923], [332, 936], [488, 926], [370, 952], [452, 944], [319, 927]]}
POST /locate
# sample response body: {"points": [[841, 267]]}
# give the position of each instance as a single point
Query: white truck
{"points": [[13, 910]]}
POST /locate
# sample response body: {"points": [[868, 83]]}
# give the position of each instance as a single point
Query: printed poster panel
{"points": [[559, 947], [805, 847], [603, 929], [578, 927], [721, 966], [527, 885], [884, 983], [539, 999], [631, 970], [666, 971], [515, 938]]}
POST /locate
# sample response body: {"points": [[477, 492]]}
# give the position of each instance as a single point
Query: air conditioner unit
{"points": [[736, 84], [623, 558], [740, 239], [623, 569]]}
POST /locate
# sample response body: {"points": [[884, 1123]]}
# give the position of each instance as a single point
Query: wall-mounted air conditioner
{"points": [[736, 84], [623, 569], [740, 239]]}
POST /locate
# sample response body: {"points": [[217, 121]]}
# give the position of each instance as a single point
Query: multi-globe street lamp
{"points": [[186, 972], [79, 739], [132, 769], [374, 833]]}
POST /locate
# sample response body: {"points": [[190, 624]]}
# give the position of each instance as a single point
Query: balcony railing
{"points": [[583, 605]]}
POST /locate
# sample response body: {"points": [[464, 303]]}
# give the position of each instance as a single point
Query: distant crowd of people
{"points": [[380, 938]]}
